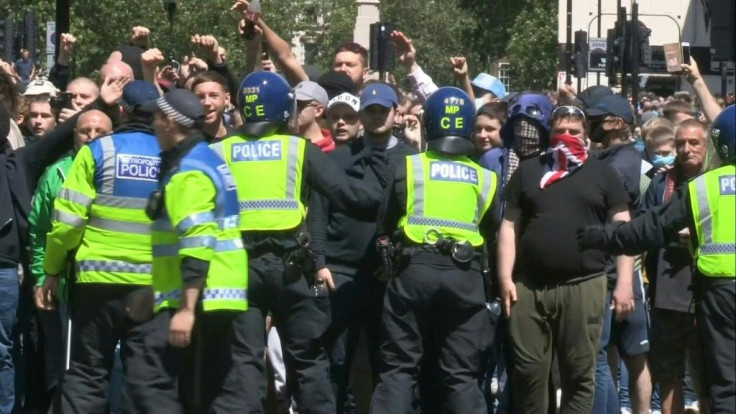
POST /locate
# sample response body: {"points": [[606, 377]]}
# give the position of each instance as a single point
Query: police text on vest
{"points": [[137, 167], [452, 171], [256, 151], [727, 183]]}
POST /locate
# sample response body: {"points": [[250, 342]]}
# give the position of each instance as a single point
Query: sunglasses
{"points": [[532, 111], [563, 111], [352, 47]]}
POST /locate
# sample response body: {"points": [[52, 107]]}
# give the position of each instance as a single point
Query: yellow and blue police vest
{"points": [[712, 200], [101, 211], [268, 173], [200, 220], [447, 195]]}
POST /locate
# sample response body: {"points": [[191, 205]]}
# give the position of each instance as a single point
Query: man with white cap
{"points": [[311, 101], [343, 119]]}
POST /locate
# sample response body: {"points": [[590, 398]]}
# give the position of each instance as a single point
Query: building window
{"points": [[504, 74]]}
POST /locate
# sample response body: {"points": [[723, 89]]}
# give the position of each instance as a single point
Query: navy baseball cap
{"points": [[593, 94], [612, 105], [378, 94], [136, 93], [181, 105]]}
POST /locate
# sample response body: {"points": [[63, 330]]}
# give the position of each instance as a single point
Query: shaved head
{"points": [[91, 125], [115, 69], [84, 91]]}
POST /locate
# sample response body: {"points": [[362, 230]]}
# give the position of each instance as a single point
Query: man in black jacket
{"points": [[19, 174], [344, 244]]}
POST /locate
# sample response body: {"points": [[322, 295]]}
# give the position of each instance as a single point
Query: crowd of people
{"points": [[181, 238]]}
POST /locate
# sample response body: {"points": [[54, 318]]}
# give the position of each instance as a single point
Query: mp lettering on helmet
{"points": [[137, 167], [248, 110], [727, 184], [256, 151], [452, 171]]}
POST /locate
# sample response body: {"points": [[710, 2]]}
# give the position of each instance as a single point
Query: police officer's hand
{"points": [[180, 328], [591, 236], [622, 301], [49, 292], [508, 295], [325, 276]]}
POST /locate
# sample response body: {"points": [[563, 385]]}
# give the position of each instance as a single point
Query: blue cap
{"points": [[490, 84], [136, 93], [615, 105], [378, 94]]}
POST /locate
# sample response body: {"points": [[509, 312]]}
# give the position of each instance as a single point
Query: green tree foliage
{"points": [[532, 47], [484, 31]]}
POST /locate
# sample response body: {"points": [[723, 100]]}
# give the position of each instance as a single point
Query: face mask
{"points": [[597, 133], [659, 161], [526, 134]]}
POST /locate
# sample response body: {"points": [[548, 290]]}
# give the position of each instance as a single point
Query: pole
{"points": [[724, 78], [568, 46], [635, 53], [597, 74]]}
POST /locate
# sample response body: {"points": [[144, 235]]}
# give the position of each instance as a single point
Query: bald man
{"points": [[90, 125], [116, 69]]}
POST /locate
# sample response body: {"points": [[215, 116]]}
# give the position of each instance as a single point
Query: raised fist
{"points": [[139, 36], [459, 66], [207, 44], [151, 58], [67, 42]]}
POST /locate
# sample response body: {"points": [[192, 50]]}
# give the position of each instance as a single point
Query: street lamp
{"points": [[170, 6]]}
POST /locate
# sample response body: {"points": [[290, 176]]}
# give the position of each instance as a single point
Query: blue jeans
{"points": [[9, 289], [606, 397]]}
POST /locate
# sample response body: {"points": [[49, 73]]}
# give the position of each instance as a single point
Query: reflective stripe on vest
{"points": [[67, 218], [113, 266], [289, 202], [172, 249], [108, 166], [75, 197], [419, 218], [706, 221], [119, 226], [120, 202], [207, 295]]}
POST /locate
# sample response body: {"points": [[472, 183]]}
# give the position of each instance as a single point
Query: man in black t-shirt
{"points": [[557, 292]]}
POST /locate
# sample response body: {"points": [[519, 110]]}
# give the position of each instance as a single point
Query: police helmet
{"points": [[723, 134], [449, 118], [266, 103]]}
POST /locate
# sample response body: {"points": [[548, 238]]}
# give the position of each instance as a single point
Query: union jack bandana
{"points": [[564, 157]]}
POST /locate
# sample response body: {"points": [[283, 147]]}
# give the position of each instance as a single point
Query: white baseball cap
{"points": [[345, 99], [40, 87]]}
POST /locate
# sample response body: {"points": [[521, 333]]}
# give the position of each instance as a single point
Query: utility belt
{"points": [[460, 251]]}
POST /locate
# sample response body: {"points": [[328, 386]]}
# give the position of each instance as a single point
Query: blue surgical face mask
{"points": [[659, 161]]}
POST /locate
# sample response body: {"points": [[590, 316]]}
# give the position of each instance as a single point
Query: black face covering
{"points": [[597, 133]]}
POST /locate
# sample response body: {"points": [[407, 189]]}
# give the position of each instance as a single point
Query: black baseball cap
{"points": [[337, 83], [612, 105], [592, 95], [181, 105]]}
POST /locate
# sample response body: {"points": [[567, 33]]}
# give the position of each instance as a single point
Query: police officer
{"points": [[435, 306], [100, 213], [273, 172], [705, 206], [199, 264]]}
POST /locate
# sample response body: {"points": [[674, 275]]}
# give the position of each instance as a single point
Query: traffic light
{"points": [[616, 47], [581, 54]]}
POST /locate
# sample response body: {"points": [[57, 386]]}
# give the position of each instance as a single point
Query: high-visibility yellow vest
{"points": [[712, 202], [268, 173], [101, 211], [449, 195], [200, 220]]}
